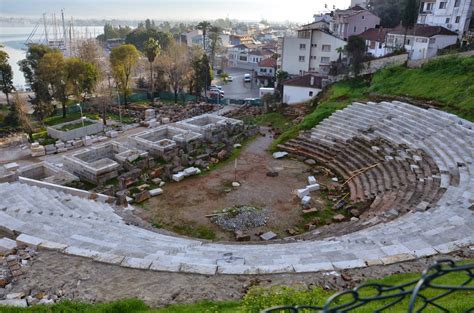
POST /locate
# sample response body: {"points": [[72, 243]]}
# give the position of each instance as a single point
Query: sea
{"points": [[13, 41]]}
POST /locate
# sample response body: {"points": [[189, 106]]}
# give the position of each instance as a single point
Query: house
{"points": [[247, 56], [375, 41], [455, 15], [422, 41], [353, 21], [266, 72], [302, 88], [311, 51]]}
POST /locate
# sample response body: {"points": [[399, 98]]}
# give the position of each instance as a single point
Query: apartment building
{"points": [[311, 51], [353, 21], [455, 15]]}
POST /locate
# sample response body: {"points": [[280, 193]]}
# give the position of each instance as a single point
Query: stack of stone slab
{"points": [[37, 150], [77, 226], [165, 141], [101, 163]]}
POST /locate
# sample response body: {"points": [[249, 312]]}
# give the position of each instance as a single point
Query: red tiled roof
{"points": [[423, 30], [270, 62], [305, 81], [375, 34]]}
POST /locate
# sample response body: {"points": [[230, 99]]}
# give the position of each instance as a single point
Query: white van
{"points": [[247, 78]]}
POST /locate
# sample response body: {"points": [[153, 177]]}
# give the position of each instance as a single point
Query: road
{"points": [[237, 89]]}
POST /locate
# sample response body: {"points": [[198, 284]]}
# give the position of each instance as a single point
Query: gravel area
{"points": [[241, 218]]}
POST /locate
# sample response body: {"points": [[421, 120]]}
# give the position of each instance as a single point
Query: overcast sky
{"points": [[272, 10]]}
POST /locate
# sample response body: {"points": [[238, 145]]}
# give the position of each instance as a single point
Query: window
{"points": [[302, 46], [326, 48], [457, 3], [408, 41], [355, 29], [365, 28], [310, 93], [429, 6], [243, 58], [442, 5], [432, 41], [325, 60], [314, 45], [301, 58], [458, 19], [447, 20], [363, 17]]}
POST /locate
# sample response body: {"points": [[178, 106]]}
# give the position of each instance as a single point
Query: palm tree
{"points": [[204, 26], [152, 50]]}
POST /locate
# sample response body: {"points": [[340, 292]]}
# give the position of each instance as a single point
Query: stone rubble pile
{"points": [[241, 218]]}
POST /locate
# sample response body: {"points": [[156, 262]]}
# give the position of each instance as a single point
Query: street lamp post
{"points": [[82, 117]]}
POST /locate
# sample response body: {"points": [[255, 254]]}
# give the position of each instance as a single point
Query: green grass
{"points": [[335, 98], [195, 231], [447, 82], [258, 298], [58, 119], [274, 119], [75, 126]]}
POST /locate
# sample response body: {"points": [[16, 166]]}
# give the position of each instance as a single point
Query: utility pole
{"points": [[64, 33], [45, 28]]}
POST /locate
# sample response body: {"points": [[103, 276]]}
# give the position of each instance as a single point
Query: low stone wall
{"points": [[56, 132], [48, 173]]}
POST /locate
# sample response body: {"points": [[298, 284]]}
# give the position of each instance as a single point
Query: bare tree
{"points": [[21, 110], [175, 64]]}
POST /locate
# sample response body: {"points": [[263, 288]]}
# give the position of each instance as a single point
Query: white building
{"points": [[312, 51], [454, 15], [301, 89], [422, 41], [375, 41]]}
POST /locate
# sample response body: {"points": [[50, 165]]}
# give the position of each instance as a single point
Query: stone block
{"points": [[397, 258], [313, 267], [109, 258], [136, 263], [27, 240], [165, 266], [306, 200], [178, 176], [11, 166], [156, 192], [85, 253], [279, 154], [49, 245], [268, 236], [301, 193], [21, 303], [311, 180], [338, 218], [313, 187], [205, 269], [142, 196], [7, 246]]}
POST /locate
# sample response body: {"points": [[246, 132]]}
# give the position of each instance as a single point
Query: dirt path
{"points": [[188, 202], [85, 280]]}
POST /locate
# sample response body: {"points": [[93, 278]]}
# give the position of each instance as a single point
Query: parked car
{"points": [[214, 94], [247, 78], [215, 87], [230, 78], [215, 90]]}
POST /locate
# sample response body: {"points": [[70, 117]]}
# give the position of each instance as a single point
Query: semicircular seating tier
{"points": [[420, 175]]}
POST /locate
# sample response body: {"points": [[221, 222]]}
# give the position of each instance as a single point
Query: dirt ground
{"points": [[189, 201], [82, 279]]}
